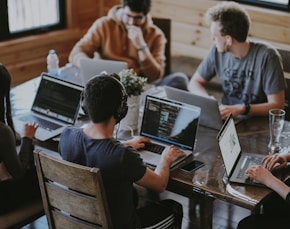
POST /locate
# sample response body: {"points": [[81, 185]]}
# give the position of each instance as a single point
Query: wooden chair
{"points": [[73, 195], [165, 25]]}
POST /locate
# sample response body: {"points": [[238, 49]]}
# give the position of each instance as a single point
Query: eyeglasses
{"points": [[135, 18]]}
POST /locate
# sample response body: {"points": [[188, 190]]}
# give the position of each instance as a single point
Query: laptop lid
{"points": [[229, 145], [56, 105], [170, 122], [92, 67], [210, 114]]}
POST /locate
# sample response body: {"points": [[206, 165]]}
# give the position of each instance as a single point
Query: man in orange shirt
{"points": [[128, 34]]}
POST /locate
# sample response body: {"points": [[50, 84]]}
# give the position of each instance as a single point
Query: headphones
{"points": [[120, 112]]}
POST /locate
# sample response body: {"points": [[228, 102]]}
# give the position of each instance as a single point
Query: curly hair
{"points": [[234, 20]]}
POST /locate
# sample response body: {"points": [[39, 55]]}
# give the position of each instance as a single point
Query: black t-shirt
{"points": [[120, 166]]}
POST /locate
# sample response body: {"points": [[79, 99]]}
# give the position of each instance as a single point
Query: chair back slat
{"points": [[73, 194]]}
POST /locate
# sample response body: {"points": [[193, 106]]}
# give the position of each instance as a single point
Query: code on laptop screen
{"points": [[170, 122]]}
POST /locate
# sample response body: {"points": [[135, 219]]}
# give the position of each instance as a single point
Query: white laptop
{"points": [[210, 114], [236, 162], [55, 106], [168, 122], [92, 67]]}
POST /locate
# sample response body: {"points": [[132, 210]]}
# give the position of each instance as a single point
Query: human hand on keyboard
{"points": [[275, 161], [137, 142], [29, 130], [260, 174], [172, 153]]}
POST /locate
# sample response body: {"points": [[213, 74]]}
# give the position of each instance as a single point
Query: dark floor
{"points": [[225, 216]]}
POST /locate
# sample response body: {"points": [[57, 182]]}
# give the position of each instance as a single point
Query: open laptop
{"points": [[92, 67], [236, 162], [210, 114], [168, 122], [55, 106]]}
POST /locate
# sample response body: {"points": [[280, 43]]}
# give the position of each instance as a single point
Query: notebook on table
{"points": [[55, 106], [168, 122], [92, 67], [210, 115], [235, 160]]}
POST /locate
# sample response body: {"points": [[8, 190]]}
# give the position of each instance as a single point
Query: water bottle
{"points": [[52, 63]]}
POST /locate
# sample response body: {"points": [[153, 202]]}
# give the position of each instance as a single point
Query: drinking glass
{"points": [[276, 123]]}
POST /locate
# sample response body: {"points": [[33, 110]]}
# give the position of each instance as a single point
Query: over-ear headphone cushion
{"points": [[123, 108], [83, 104]]}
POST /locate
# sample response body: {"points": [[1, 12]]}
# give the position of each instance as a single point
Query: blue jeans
{"points": [[177, 80]]}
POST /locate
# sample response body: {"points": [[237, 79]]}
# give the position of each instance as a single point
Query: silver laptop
{"points": [[92, 67], [210, 114], [55, 106], [236, 162], [168, 122]]}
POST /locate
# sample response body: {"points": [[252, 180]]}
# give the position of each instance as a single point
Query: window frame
{"points": [[265, 4], [4, 23]]}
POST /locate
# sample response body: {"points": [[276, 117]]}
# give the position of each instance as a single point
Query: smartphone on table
{"points": [[192, 166]]}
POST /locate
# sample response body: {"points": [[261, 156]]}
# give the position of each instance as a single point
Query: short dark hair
{"points": [[102, 97], [139, 6], [5, 104], [234, 20]]}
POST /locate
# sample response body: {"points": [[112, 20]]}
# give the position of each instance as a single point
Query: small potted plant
{"points": [[133, 83], [134, 86]]}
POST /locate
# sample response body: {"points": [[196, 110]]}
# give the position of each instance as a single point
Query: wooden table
{"points": [[207, 183]]}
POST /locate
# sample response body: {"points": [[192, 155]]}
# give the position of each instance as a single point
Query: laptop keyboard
{"points": [[246, 164], [155, 148], [44, 124]]}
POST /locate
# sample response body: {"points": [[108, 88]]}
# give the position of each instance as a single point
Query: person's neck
{"points": [[240, 49], [100, 130]]}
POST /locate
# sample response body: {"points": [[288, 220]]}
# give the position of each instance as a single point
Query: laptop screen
{"points": [[170, 122], [229, 144], [57, 99]]}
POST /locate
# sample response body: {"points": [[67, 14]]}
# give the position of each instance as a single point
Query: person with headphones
{"points": [[250, 72], [105, 101]]}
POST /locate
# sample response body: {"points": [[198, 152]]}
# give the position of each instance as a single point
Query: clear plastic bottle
{"points": [[52, 63]]}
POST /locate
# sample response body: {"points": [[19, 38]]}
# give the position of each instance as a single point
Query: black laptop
{"points": [[55, 106], [168, 122]]}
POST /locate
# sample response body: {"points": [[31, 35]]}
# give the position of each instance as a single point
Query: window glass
{"points": [[27, 17], [31, 14]]}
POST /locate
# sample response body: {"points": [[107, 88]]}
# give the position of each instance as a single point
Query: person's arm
{"points": [[197, 85], [265, 177], [263, 174], [87, 45], [151, 59], [9, 154], [157, 180], [276, 100], [137, 142]]}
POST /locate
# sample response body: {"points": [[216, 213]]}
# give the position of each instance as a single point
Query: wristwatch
{"points": [[142, 48], [247, 108]]}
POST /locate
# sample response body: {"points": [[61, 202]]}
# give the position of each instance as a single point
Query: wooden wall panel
{"points": [[25, 58], [190, 33]]}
